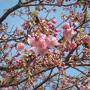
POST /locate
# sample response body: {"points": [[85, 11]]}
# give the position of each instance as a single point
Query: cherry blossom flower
{"points": [[86, 39], [20, 46], [68, 32], [42, 43], [31, 41], [66, 26], [72, 45], [53, 20], [52, 41]]}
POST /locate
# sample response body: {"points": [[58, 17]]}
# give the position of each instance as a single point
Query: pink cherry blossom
{"points": [[38, 44], [43, 36], [72, 45], [73, 32], [53, 41], [86, 39], [68, 31], [41, 43], [20, 46], [66, 26], [31, 41], [53, 20]]}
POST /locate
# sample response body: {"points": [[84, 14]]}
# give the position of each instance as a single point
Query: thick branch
{"points": [[17, 6]]}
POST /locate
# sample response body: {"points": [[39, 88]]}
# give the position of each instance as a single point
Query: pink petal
{"points": [[86, 39], [66, 26], [53, 20], [20, 46]]}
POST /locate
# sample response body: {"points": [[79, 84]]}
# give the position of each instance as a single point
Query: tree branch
{"points": [[45, 81], [19, 82], [19, 5]]}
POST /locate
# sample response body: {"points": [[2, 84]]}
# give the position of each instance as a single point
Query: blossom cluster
{"points": [[41, 43]]}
